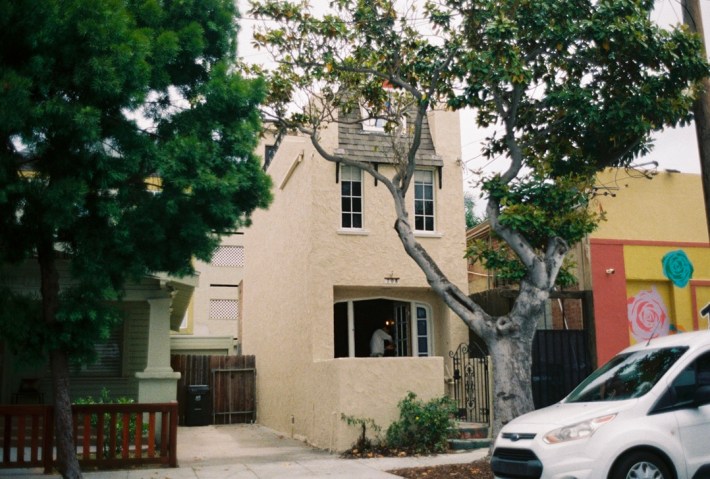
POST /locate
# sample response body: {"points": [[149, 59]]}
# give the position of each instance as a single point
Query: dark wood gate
{"points": [[471, 383], [231, 381]]}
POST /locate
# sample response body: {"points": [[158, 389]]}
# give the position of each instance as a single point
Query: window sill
{"points": [[353, 232], [428, 234]]}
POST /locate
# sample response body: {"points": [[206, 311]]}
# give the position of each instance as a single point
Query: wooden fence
{"points": [[231, 381], [105, 435], [28, 437]]}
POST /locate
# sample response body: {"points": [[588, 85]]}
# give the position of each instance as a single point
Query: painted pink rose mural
{"points": [[648, 315]]}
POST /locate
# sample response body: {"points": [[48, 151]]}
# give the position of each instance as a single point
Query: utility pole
{"points": [[692, 18]]}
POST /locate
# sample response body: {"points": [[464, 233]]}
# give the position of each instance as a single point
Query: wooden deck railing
{"points": [[105, 435]]}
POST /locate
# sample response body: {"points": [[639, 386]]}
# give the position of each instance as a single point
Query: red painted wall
{"points": [[609, 285]]}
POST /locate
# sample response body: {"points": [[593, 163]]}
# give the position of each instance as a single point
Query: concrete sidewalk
{"points": [[255, 452]]}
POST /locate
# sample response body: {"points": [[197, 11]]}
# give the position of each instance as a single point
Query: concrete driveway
{"points": [[249, 451]]}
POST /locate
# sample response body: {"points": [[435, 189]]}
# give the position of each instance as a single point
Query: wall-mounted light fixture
{"points": [[391, 279], [610, 271]]}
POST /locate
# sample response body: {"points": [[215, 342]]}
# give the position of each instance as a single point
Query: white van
{"points": [[645, 414]]}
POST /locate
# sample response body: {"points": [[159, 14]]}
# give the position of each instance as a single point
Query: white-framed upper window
{"points": [[377, 121], [372, 123], [350, 197], [424, 200]]}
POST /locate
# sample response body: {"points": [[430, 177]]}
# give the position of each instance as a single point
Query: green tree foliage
{"points": [[128, 142], [538, 209], [469, 206], [570, 86]]}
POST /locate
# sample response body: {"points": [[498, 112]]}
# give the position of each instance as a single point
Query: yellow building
{"points": [[650, 258]]}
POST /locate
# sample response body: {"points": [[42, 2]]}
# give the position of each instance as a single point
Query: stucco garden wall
{"points": [[364, 388]]}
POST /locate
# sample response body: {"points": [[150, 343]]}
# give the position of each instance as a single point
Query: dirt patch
{"points": [[480, 469]]}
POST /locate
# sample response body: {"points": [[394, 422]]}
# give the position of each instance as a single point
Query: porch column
{"points": [[158, 382]]}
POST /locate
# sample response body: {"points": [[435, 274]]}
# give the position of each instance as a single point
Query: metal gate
{"points": [[471, 383], [560, 361]]}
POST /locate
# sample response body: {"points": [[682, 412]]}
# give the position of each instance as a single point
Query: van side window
{"points": [[703, 371], [682, 389]]}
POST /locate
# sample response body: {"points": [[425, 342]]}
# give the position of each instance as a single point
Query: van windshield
{"points": [[626, 376]]}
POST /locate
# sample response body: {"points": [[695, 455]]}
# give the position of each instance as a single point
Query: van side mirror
{"points": [[701, 396]]}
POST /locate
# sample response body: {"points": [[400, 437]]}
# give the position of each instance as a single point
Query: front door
{"points": [[401, 329]]}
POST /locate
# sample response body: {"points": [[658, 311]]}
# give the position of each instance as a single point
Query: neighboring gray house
{"points": [[134, 361]]}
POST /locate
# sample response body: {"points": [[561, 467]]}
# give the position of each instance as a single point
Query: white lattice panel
{"points": [[224, 309], [228, 256]]}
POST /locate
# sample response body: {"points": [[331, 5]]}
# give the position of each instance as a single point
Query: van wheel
{"points": [[641, 465]]}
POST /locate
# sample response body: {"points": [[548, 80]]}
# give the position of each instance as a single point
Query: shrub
{"points": [[422, 427], [105, 398], [363, 442]]}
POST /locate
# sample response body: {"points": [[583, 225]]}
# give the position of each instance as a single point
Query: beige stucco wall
{"points": [[199, 333], [300, 263], [365, 388]]}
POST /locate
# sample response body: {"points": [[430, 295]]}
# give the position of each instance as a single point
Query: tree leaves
{"points": [[106, 95]]}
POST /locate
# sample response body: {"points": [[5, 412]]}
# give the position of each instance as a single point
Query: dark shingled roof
{"points": [[376, 147]]}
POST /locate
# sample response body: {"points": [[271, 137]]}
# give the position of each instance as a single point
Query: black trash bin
{"points": [[198, 407]]}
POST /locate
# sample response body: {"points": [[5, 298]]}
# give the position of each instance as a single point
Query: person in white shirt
{"points": [[377, 341]]}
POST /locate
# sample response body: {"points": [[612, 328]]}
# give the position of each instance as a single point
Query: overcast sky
{"points": [[674, 149], [678, 148]]}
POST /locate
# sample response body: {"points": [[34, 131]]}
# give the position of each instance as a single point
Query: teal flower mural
{"points": [[677, 267]]}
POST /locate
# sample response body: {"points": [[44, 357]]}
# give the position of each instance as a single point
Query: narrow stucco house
{"points": [[133, 362], [326, 269]]}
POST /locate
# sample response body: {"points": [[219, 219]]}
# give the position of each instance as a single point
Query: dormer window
{"points": [[377, 120], [372, 124]]}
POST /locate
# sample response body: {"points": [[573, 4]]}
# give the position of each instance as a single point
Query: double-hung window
{"points": [[350, 197], [424, 200], [109, 357]]}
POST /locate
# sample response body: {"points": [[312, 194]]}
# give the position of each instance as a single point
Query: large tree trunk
{"points": [[512, 395], [693, 18], [511, 353], [67, 462]]}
